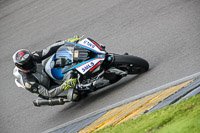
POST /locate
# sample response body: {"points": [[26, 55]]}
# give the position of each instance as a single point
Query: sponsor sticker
{"points": [[91, 45], [86, 42], [88, 65]]}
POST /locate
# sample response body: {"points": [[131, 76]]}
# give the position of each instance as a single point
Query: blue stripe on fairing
{"points": [[82, 63], [84, 47], [57, 73]]}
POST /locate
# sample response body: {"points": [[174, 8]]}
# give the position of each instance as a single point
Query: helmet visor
{"points": [[28, 65]]}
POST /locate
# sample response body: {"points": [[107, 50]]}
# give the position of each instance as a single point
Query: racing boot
{"points": [[69, 86], [72, 95]]}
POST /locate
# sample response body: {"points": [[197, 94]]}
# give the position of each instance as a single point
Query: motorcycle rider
{"points": [[30, 75]]}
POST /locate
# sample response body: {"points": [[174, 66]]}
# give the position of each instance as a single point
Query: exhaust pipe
{"points": [[52, 102]]}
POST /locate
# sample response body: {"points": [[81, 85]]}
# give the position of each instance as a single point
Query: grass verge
{"points": [[183, 117]]}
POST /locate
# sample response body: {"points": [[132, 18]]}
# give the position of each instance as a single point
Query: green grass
{"points": [[183, 117]]}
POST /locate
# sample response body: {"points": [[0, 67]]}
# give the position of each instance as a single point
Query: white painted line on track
{"points": [[163, 87]]}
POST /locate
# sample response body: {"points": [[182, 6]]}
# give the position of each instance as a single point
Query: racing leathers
{"points": [[39, 82]]}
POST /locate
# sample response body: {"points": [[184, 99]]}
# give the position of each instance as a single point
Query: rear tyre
{"points": [[131, 64]]}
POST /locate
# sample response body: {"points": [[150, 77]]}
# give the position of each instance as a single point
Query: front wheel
{"points": [[130, 63]]}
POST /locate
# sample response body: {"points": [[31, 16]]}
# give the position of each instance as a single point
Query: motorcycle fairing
{"points": [[84, 67], [90, 44], [89, 65]]}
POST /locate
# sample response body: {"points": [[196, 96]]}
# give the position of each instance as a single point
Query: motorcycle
{"points": [[96, 68]]}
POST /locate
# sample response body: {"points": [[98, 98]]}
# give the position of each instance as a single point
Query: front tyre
{"points": [[131, 64]]}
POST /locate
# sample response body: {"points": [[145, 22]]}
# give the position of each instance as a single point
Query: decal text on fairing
{"points": [[89, 44], [88, 66]]}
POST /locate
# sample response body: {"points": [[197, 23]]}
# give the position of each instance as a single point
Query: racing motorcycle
{"points": [[95, 66]]}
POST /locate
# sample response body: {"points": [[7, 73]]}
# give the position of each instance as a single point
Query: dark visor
{"points": [[28, 65]]}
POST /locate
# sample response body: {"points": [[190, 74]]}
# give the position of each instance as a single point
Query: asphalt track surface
{"points": [[164, 32]]}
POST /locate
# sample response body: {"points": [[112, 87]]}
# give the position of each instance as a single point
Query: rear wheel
{"points": [[131, 64]]}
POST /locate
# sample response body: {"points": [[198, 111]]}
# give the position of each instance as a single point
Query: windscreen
{"points": [[65, 52]]}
